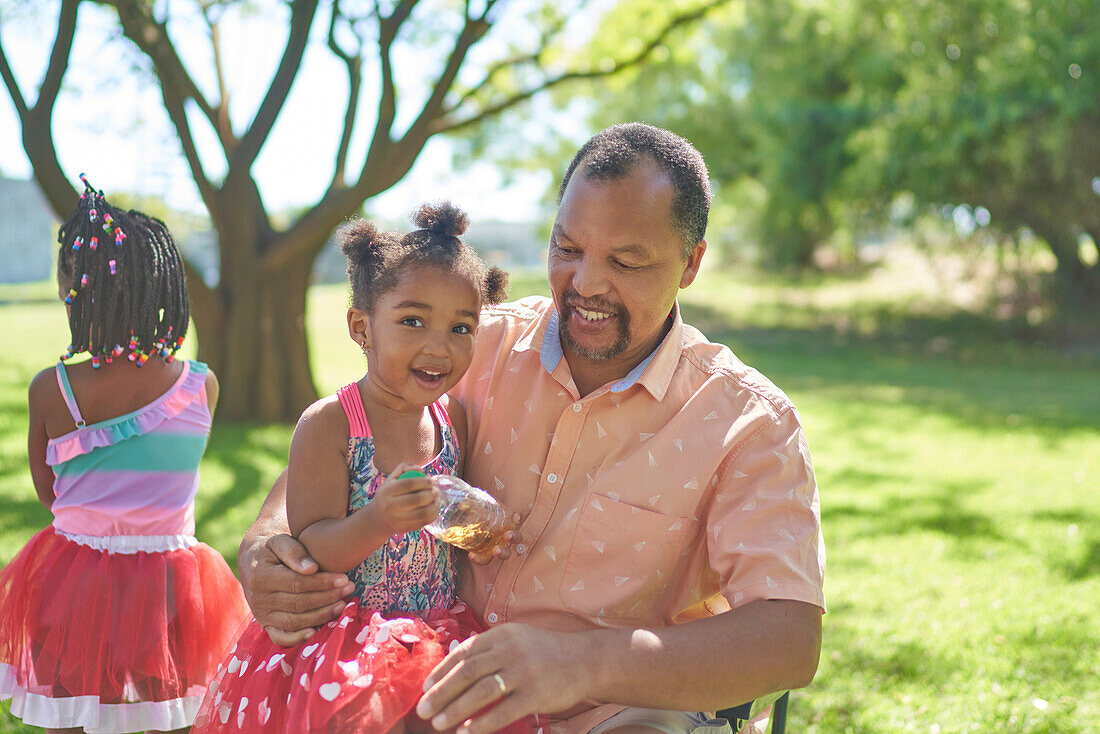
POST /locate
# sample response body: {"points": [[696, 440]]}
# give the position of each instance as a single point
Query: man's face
{"points": [[615, 266]]}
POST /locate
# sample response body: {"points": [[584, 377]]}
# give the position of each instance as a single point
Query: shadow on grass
{"points": [[960, 364], [253, 456]]}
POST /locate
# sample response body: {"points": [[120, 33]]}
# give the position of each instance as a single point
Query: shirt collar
{"points": [[654, 373]]}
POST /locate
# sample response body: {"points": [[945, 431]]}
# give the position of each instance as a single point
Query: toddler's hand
{"points": [[405, 505], [511, 537]]}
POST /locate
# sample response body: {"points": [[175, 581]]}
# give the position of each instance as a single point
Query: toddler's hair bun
{"points": [[359, 240], [443, 218]]}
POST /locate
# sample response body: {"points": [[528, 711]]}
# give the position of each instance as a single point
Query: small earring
{"points": [[364, 347]]}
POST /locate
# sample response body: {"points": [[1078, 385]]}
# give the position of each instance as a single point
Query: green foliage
{"points": [[815, 116]]}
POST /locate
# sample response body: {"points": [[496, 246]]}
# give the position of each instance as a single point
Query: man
{"points": [[670, 557]]}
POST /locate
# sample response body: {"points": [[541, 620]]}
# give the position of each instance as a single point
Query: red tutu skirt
{"points": [[113, 642], [362, 673]]}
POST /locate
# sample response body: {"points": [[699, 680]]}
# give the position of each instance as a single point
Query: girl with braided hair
{"points": [[114, 617], [415, 303]]}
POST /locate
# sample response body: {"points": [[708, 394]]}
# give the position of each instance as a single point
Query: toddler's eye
{"points": [[462, 329], [412, 321]]}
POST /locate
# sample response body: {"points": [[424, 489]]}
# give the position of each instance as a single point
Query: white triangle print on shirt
{"points": [[783, 458], [527, 404], [538, 584], [750, 505], [515, 436], [644, 436], [590, 480], [712, 415], [678, 525], [598, 545], [692, 484], [679, 442], [497, 483], [596, 504], [620, 580], [600, 432], [488, 448], [551, 552], [489, 402], [654, 499], [535, 470], [652, 461], [579, 586]]}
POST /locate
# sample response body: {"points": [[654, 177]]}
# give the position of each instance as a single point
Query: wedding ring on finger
{"points": [[500, 684]]}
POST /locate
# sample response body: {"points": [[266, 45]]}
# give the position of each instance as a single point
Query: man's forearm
{"points": [[709, 664]]}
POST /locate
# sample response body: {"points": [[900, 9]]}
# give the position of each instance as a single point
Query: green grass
{"points": [[958, 461]]}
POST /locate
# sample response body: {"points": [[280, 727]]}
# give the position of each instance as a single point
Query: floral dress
{"points": [[363, 672]]}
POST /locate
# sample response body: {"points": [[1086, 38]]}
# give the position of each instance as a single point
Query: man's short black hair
{"points": [[611, 154]]}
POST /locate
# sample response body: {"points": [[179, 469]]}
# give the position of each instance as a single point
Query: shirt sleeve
{"points": [[764, 529]]}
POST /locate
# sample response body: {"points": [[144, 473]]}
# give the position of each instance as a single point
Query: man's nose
{"points": [[589, 280]]}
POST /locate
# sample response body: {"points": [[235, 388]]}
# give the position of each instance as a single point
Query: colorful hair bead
{"points": [[118, 350], [113, 265], [142, 358], [133, 356], [119, 237], [68, 353], [77, 243], [92, 214], [93, 243], [95, 361], [72, 294], [83, 280]]}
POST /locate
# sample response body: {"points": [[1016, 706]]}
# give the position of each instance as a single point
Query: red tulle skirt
{"points": [[362, 673], [113, 642]]}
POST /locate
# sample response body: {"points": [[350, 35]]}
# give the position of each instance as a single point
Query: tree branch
{"points": [[388, 28], [224, 123], [35, 121], [176, 85], [301, 19], [353, 63], [441, 123]]}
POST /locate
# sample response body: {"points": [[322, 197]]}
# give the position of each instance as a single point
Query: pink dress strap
{"points": [[440, 414], [352, 402], [67, 393]]}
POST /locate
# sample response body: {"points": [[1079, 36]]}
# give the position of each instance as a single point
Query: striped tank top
{"points": [[137, 474]]}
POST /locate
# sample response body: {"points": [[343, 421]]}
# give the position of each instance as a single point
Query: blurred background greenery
{"points": [[904, 238]]}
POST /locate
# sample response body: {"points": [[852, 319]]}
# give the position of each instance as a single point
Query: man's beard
{"points": [[622, 318]]}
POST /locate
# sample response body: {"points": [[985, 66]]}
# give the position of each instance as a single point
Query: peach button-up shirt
{"points": [[680, 491]]}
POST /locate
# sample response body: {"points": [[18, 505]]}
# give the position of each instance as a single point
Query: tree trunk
{"points": [[1076, 285], [254, 338]]}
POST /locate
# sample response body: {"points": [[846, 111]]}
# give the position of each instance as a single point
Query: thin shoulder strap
{"points": [[441, 415], [352, 402], [67, 393]]}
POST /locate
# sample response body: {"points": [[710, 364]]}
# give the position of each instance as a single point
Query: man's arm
{"points": [[734, 657], [287, 593]]}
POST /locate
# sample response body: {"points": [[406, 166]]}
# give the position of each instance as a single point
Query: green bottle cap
{"points": [[412, 473]]}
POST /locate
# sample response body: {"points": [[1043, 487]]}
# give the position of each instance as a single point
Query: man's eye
{"points": [[626, 266]]}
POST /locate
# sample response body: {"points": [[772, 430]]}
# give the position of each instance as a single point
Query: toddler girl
{"points": [[416, 301], [114, 618]]}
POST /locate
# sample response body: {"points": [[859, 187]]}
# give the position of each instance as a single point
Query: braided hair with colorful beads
{"points": [[127, 287]]}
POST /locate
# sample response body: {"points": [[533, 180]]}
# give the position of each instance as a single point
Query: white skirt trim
{"points": [[129, 544], [96, 718]]}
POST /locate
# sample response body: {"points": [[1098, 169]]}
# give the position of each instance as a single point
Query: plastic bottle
{"points": [[469, 518]]}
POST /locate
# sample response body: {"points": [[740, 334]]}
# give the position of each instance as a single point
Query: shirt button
{"points": [[492, 618], [577, 407], [521, 549], [552, 478]]}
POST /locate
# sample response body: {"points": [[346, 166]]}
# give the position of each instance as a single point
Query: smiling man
{"points": [[670, 560]]}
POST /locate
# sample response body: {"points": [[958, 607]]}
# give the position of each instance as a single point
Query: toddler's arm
{"points": [[317, 495], [41, 474]]}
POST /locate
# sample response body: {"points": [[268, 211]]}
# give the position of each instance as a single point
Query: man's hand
{"points": [[538, 670], [287, 593], [501, 552]]}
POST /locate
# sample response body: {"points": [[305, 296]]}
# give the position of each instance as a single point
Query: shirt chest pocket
{"points": [[622, 558]]}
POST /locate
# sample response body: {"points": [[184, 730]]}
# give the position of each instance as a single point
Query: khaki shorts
{"points": [[666, 722]]}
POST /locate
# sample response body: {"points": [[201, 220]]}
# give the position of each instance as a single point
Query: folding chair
{"points": [[738, 715]]}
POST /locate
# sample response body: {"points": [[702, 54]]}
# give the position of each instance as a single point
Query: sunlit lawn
{"points": [[959, 485]]}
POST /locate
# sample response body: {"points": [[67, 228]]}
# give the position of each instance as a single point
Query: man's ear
{"points": [[694, 260], [359, 327]]}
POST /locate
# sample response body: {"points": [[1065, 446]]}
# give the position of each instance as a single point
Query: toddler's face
{"points": [[421, 335]]}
